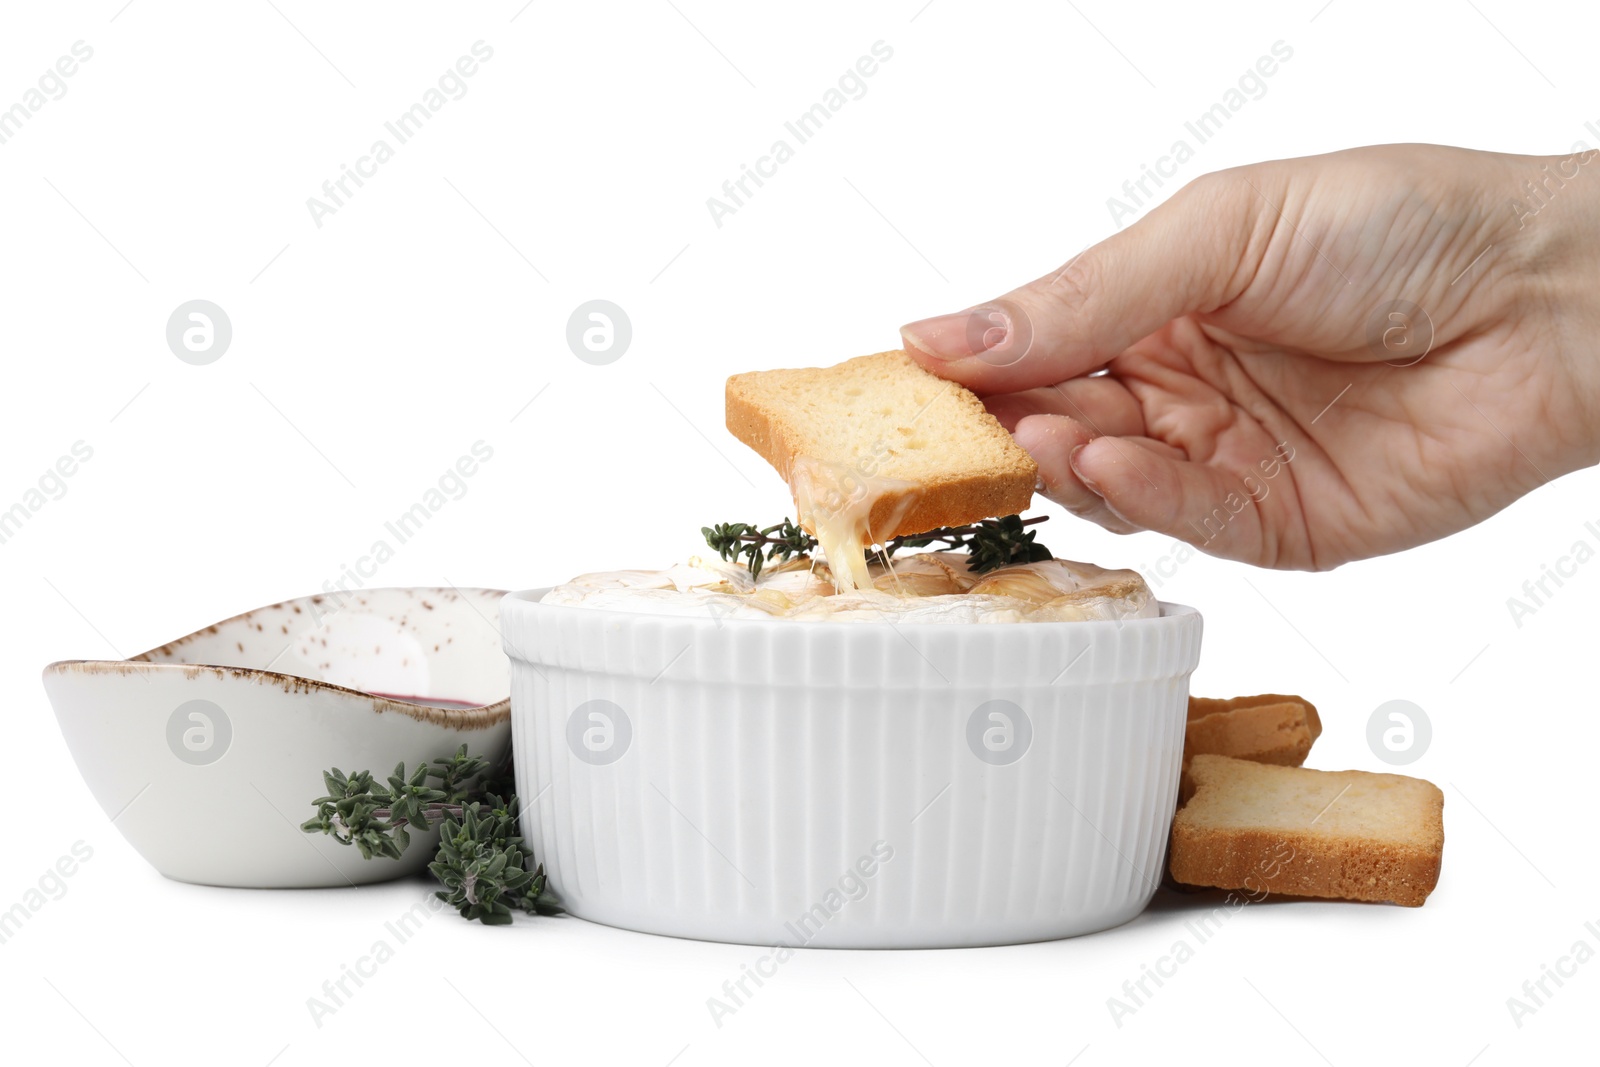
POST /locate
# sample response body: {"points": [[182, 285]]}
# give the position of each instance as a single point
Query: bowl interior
{"points": [[433, 646]]}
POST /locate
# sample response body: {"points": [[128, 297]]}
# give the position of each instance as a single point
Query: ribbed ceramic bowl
{"points": [[207, 752], [848, 785]]}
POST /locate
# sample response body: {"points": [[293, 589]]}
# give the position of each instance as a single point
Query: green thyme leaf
{"points": [[989, 544]]}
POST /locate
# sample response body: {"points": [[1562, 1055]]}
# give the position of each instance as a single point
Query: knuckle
{"points": [[1073, 285]]}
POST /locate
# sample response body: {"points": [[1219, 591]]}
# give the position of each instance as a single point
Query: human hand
{"points": [[1309, 361]]}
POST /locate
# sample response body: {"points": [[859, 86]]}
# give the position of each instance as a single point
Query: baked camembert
{"points": [[930, 587]]}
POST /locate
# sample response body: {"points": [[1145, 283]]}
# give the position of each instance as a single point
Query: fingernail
{"points": [[1072, 461], [962, 334]]}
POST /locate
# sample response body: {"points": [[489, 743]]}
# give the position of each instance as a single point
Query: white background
{"points": [[430, 310]]}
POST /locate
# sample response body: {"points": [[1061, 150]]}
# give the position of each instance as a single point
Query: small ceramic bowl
{"points": [[207, 752], [848, 784]]}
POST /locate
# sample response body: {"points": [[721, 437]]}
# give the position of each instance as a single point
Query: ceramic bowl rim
{"points": [[474, 717]]}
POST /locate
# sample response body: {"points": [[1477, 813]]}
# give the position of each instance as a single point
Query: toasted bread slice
{"points": [[1270, 728], [1299, 832], [922, 451]]}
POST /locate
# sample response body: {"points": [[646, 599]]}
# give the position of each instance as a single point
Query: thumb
{"points": [[1192, 254]]}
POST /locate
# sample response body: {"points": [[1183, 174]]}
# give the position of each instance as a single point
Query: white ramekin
{"points": [[847, 785]]}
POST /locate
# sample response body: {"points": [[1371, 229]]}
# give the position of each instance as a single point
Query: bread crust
{"points": [[1253, 861], [1199, 707], [951, 500], [1270, 728]]}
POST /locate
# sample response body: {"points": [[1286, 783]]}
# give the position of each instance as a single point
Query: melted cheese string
{"points": [[834, 503]]}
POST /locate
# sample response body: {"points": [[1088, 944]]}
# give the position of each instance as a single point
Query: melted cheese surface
{"points": [[930, 587]]}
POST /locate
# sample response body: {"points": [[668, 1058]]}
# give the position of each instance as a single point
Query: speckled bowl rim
{"points": [[477, 717]]}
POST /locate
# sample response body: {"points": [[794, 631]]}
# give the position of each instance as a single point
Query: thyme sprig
{"points": [[989, 544], [482, 867], [758, 544], [480, 860]]}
